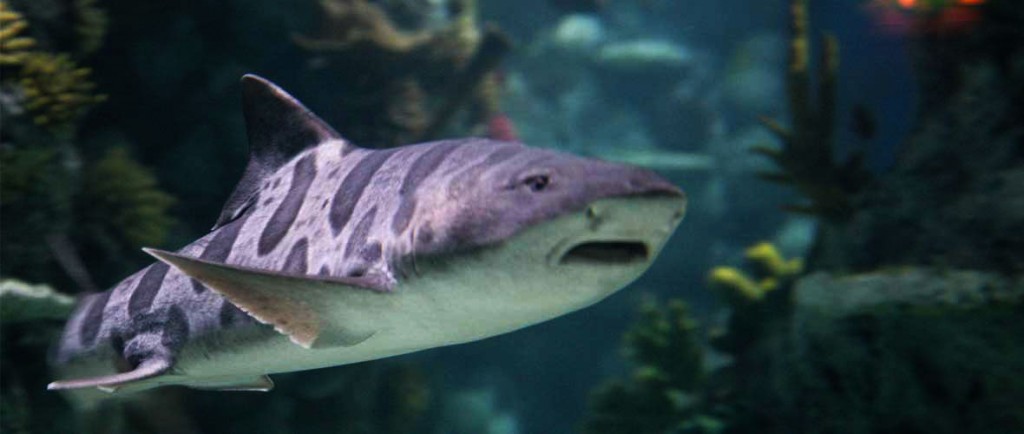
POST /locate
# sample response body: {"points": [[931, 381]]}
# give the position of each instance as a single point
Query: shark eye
{"points": [[537, 182]]}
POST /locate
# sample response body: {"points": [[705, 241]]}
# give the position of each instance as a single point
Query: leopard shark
{"points": [[329, 254]]}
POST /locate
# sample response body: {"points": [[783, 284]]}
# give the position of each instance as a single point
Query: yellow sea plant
{"points": [[13, 45], [56, 90], [771, 271]]}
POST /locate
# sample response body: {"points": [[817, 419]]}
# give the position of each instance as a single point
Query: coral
{"points": [[665, 392], [57, 91], [954, 196], [53, 88], [421, 78], [772, 271], [13, 46], [925, 350], [806, 159], [20, 302]]}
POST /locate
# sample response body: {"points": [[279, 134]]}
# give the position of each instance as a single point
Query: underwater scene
{"points": [[512, 217]]}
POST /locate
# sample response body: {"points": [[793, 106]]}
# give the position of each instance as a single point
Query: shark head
{"points": [[458, 239], [544, 232]]}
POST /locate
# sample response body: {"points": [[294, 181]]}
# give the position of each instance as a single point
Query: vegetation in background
{"points": [[806, 159]]}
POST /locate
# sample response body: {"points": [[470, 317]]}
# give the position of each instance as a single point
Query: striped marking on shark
{"points": [[328, 254]]}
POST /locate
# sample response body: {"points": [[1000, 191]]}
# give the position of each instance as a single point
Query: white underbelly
{"points": [[419, 316]]}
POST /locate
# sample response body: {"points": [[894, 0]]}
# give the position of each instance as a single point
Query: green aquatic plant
{"points": [[35, 200], [665, 392], [91, 23], [13, 45], [120, 202], [806, 160], [57, 91], [673, 389]]}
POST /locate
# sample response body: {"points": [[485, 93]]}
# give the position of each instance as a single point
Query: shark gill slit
{"points": [[284, 216]]}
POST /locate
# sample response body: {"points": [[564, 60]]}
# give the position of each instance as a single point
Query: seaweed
{"points": [[120, 207], [55, 201], [90, 25], [13, 45], [806, 159], [665, 393], [57, 91], [675, 388], [52, 87]]}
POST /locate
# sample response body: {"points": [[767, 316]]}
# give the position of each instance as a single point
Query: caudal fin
{"points": [[111, 383]]}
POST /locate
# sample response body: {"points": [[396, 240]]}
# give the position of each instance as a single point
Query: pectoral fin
{"points": [[314, 311]]}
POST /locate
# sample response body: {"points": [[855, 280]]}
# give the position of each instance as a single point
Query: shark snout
{"points": [[645, 182]]}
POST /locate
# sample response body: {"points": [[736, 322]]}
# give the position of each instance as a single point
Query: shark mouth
{"points": [[606, 253]]}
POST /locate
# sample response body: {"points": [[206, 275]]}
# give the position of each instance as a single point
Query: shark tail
{"points": [[111, 383]]}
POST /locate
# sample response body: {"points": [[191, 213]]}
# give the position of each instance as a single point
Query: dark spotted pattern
{"points": [[93, 319], [424, 234], [371, 252], [420, 169], [288, 210], [230, 314], [360, 233], [220, 246], [352, 188], [175, 331], [146, 290], [295, 263], [197, 287]]}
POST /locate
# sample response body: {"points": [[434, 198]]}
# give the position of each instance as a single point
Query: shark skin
{"points": [[328, 254]]}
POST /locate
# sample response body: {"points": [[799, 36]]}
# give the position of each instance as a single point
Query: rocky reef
{"points": [[420, 77], [906, 316]]}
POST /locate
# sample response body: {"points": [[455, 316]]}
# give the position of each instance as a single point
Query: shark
{"points": [[329, 254]]}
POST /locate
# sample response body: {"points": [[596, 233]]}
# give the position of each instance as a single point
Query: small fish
{"points": [[328, 254]]}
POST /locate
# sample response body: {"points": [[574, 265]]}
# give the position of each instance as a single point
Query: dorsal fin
{"points": [[279, 127]]}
